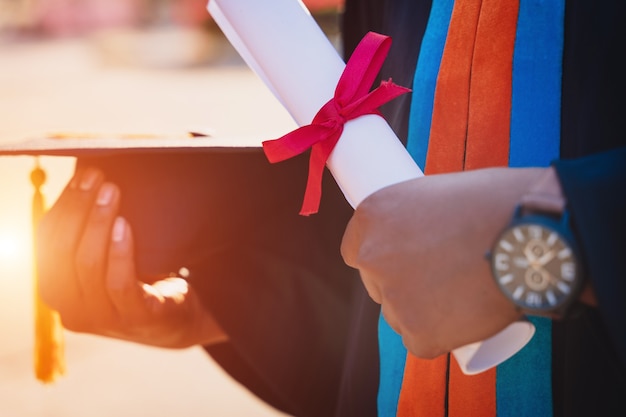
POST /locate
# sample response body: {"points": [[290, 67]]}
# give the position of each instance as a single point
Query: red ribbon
{"points": [[352, 99]]}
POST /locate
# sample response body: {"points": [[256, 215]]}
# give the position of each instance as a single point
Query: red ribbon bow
{"points": [[352, 99]]}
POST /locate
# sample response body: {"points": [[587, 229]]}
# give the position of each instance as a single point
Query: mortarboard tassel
{"points": [[49, 345]]}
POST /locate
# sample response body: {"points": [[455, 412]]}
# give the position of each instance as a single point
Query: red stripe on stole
{"points": [[470, 129], [448, 131], [488, 131]]}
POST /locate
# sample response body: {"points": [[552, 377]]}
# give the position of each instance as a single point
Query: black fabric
{"points": [[359, 383], [405, 22], [274, 280], [590, 351], [594, 85], [297, 293]]}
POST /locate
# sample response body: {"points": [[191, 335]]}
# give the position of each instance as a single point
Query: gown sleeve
{"points": [[595, 187]]}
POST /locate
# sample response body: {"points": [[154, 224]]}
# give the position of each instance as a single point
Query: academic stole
{"points": [[486, 92]]}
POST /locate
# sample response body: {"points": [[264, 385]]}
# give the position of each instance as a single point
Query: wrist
{"points": [[535, 261], [548, 190]]}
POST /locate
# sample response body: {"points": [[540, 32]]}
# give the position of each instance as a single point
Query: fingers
{"points": [[58, 237], [87, 273], [122, 288], [358, 249], [92, 252], [159, 314], [135, 301]]}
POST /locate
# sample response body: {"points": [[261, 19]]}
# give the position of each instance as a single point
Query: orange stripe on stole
{"points": [[448, 131], [488, 131], [423, 390], [470, 129]]}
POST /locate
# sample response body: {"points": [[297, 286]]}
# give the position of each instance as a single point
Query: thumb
{"points": [[124, 290]]}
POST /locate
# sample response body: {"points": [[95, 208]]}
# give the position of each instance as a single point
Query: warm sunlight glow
{"points": [[12, 247]]}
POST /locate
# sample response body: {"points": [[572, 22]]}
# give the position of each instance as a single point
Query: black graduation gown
{"points": [[274, 280]]}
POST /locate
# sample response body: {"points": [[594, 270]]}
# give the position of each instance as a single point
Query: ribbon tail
{"points": [[313, 190], [370, 103], [294, 143], [317, 162]]}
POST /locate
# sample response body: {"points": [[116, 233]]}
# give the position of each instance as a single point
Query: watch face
{"points": [[536, 267]]}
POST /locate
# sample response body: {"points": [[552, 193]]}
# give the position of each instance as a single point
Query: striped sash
{"points": [[486, 93]]}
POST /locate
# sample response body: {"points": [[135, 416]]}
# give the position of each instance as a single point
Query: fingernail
{"points": [[74, 182], [105, 195], [88, 179], [119, 229]]}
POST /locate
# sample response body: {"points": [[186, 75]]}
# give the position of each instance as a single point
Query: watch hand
{"points": [[546, 258], [529, 255]]}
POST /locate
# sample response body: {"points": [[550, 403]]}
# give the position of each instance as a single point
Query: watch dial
{"points": [[535, 267]]}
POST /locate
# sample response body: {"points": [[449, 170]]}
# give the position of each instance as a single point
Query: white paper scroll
{"points": [[283, 44]]}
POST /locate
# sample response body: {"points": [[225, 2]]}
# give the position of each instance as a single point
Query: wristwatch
{"points": [[535, 261]]}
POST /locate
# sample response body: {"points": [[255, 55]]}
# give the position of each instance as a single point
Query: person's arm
{"points": [[87, 273], [420, 248]]}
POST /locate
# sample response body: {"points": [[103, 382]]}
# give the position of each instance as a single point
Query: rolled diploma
{"points": [[283, 44]]}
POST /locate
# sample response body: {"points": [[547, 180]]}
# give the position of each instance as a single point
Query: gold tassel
{"points": [[49, 344]]}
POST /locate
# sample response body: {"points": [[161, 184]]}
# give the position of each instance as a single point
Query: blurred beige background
{"points": [[112, 81]]}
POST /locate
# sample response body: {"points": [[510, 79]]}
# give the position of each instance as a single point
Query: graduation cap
{"points": [[49, 360], [274, 280]]}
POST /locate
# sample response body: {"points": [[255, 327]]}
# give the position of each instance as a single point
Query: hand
{"points": [[87, 273], [420, 247]]}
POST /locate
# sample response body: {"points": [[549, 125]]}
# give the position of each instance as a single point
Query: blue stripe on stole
{"points": [[392, 360], [392, 351], [425, 79], [535, 141]]}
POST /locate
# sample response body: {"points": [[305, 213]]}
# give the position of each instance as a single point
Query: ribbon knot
{"points": [[331, 115], [352, 99]]}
